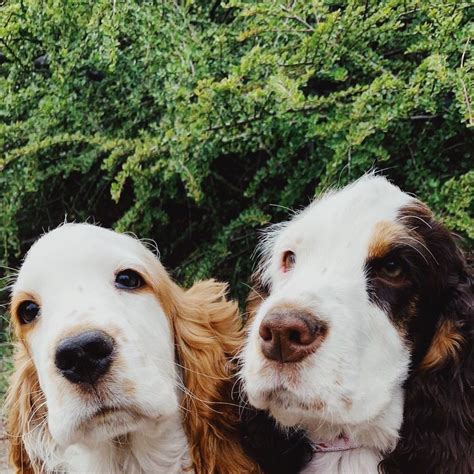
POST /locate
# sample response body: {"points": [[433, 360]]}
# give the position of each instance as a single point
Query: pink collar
{"points": [[341, 443]]}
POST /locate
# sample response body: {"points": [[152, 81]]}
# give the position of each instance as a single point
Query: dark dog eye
{"points": [[28, 311], [392, 268], [288, 260], [128, 280]]}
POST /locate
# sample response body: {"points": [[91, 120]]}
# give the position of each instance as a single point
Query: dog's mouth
{"points": [[104, 413], [111, 419], [287, 400], [101, 422], [282, 398]]}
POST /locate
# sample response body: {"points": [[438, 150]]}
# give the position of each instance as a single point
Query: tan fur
{"points": [[385, 234], [25, 409], [446, 343], [208, 337]]}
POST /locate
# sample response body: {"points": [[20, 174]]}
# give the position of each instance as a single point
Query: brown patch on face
{"points": [[446, 343], [146, 289], [389, 268], [385, 234], [128, 388], [159, 285]]}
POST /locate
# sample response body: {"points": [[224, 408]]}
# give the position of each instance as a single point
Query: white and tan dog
{"points": [[118, 369]]}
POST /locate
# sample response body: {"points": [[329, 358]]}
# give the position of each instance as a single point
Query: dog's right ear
{"points": [[26, 410], [208, 335]]}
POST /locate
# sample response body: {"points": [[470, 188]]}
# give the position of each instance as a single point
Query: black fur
{"points": [[437, 434], [276, 451]]}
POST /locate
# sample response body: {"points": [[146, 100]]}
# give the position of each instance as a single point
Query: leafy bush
{"points": [[187, 121]]}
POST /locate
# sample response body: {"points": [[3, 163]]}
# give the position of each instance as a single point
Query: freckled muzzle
{"points": [[290, 334], [86, 357]]}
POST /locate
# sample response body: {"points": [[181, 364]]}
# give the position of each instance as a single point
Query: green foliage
{"points": [[6, 367], [184, 121]]}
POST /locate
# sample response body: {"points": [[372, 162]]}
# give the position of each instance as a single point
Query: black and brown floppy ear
{"points": [[208, 336], [437, 431], [26, 410]]}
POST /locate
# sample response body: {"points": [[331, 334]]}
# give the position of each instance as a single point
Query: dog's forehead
{"points": [[74, 246], [352, 212]]}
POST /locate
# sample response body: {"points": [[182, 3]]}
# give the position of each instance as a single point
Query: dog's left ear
{"points": [[26, 414], [208, 336], [438, 426]]}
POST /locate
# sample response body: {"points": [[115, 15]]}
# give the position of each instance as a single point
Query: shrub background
{"points": [[187, 121]]}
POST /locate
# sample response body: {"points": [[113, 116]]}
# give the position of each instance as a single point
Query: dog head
{"points": [[110, 345]]}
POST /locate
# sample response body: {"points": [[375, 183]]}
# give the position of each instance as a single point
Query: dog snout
{"points": [[86, 357], [290, 335]]}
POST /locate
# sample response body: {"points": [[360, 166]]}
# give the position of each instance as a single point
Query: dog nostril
{"points": [[97, 348], [313, 330], [294, 336], [265, 332], [66, 359]]}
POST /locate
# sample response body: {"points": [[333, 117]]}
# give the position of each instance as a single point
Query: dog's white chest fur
{"points": [[354, 461], [164, 450]]}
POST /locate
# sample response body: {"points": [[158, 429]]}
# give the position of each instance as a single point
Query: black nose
{"points": [[86, 357]]}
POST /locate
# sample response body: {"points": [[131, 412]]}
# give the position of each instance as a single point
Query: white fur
{"points": [[352, 384], [70, 272]]}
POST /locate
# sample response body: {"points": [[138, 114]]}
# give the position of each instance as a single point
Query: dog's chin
{"points": [[290, 408], [286, 407], [104, 424], [110, 423]]}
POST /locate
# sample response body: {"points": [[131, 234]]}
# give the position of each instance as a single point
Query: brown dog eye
{"points": [[128, 280], [28, 311], [288, 260], [392, 268]]}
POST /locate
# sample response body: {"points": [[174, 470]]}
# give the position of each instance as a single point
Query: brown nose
{"points": [[289, 335]]}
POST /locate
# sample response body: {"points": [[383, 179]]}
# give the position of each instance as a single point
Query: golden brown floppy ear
{"points": [[208, 336], [25, 407]]}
